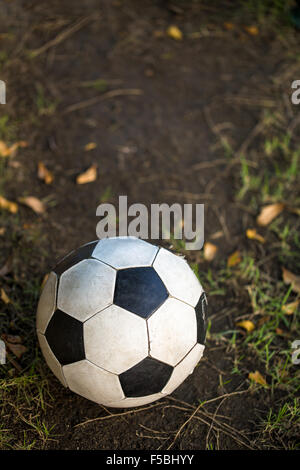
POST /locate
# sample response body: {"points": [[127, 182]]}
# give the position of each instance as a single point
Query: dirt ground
{"points": [[173, 121]]}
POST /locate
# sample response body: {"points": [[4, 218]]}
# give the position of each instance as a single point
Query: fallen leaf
{"points": [[34, 203], [210, 251], [234, 259], [4, 296], [8, 205], [174, 33], [247, 325], [217, 235], [12, 339], [44, 174], [2, 231], [253, 235], [279, 332], [6, 151], [13, 343], [257, 378], [90, 146], [6, 268], [229, 26], [88, 176], [263, 320], [14, 164], [268, 213], [253, 30], [291, 278], [290, 308]]}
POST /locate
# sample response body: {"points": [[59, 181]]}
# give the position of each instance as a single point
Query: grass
{"points": [[252, 290]]}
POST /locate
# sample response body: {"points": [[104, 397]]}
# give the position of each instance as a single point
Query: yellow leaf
{"points": [[257, 378], [210, 251], [34, 203], [247, 325], [253, 30], [44, 174], [8, 205], [4, 296], [90, 146], [268, 213], [6, 151], [253, 235], [88, 176], [174, 33], [291, 278], [234, 259], [290, 308]]}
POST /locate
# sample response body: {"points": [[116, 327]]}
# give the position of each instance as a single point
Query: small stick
{"points": [[63, 35], [104, 96]]}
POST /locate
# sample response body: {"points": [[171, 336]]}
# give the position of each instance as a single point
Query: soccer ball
{"points": [[122, 322]]}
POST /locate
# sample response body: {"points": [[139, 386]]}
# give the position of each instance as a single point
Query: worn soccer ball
{"points": [[122, 322]]}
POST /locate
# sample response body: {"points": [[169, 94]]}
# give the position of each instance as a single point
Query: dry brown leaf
{"points": [[268, 213], [174, 33], [210, 251], [247, 325], [234, 259], [12, 339], [257, 378], [229, 26], [263, 320], [7, 267], [2, 231], [290, 308], [14, 344], [17, 349], [291, 278], [8, 205], [4, 296], [6, 151], [280, 332], [44, 174], [217, 235], [88, 176], [253, 30], [34, 203], [253, 235], [90, 146]]}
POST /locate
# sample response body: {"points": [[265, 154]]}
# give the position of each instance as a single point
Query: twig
{"points": [[183, 425], [115, 415], [63, 35], [104, 96]]}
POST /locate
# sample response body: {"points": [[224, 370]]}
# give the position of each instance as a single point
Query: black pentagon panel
{"points": [[147, 377], [201, 314], [75, 257], [65, 338], [139, 290]]}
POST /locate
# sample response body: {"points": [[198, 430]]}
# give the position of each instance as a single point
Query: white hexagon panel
{"points": [[78, 291], [115, 339], [122, 322], [114, 251], [178, 277], [172, 331]]}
